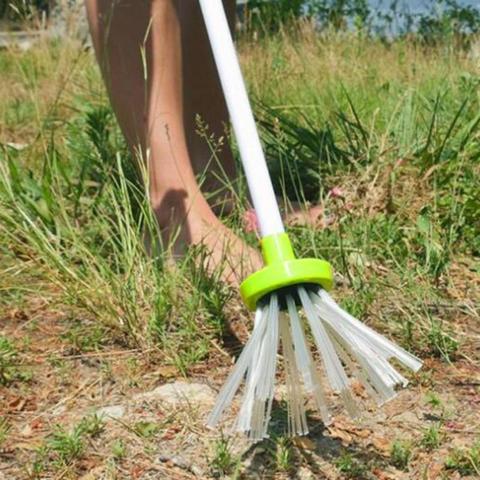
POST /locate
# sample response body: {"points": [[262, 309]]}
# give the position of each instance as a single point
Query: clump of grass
{"points": [[401, 453], [11, 369], [465, 461], [66, 446], [434, 400], [441, 343], [87, 237], [401, 143], [145, 429], [351, 467], [223, 461], [432, 437], [4, 430], [92, 426], [8, 356], [84, 337], [119, 449], [282, 453]]}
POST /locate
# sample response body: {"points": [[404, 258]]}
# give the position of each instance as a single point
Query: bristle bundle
{"points": [[348, 349]]}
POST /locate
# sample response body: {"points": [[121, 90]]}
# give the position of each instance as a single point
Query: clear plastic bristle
{"points": [[347, 349]]}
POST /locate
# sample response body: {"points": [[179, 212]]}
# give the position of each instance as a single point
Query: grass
{"points": [[4, 430], [351, 467], [8, 355], [223, 462], [465, 461], [383, 137], [401, 453], [72, 207], [432, 437]]}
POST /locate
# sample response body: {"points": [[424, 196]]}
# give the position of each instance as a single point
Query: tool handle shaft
{"points": [[233, 85]]}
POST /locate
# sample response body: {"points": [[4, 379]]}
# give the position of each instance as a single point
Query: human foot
{"points": [[294, 215], [186, 221]]}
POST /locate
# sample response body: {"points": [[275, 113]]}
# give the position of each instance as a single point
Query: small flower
{"points": [[336, 192], [250, 221]]}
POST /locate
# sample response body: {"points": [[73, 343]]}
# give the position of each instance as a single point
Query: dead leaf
{"points": [[36, 424], [381, 475], [17, 404], [166, 371], [344, 436], [383, 444], [351, 430], [304, 443], [361, 432]]}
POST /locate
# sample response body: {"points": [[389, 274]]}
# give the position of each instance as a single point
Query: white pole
{"points": [[251, 153]]}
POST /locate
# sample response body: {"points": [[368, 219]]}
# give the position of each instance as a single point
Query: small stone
{"points": [[180, 392], [304, 473], [26, 431], [407, 417], [59, 410], [112, 411]]}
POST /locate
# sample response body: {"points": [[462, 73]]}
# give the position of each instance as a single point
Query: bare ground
{"points": [[157, 437]]}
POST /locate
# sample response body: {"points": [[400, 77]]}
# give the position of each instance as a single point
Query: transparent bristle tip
{"points": [[346, 349]]}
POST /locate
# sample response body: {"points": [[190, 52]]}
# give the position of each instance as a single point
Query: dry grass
{"points": [[88, 332]]}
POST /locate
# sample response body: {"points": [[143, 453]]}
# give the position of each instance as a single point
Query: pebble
{"points": [[180, 392], [112, 411]]}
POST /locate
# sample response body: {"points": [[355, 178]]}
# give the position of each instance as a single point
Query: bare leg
{"points": [[203, 98], [139, 47]]}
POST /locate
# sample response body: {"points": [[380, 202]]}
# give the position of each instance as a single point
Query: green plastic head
{"points": [[282, 269]]}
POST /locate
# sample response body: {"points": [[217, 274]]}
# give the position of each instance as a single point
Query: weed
{"points": [[432, 437], [40, 462], [441, 343], [92, 426], [119, 449], [434, 400], [223, 462], [85, 338], [9, 364], [401, 453], [394, 125], [351, 467], [146, 429], [282, 454], [4, 430], [66, 446], [465, 461], [8, 361]]}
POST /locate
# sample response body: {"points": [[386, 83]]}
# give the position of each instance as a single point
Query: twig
{"points": [[94, 354]]}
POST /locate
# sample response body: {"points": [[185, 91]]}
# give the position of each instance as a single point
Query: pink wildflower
{"points": [[250, 221], [336, 192]]}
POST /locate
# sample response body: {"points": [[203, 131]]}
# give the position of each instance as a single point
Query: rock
{"points": [[304, 473], [180, 392], [407, 417], [112, 411]]}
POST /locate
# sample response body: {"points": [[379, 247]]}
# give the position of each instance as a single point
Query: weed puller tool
{"points": [[284, 285]]}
